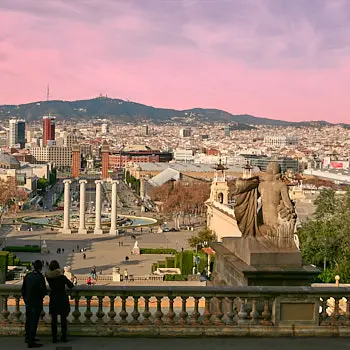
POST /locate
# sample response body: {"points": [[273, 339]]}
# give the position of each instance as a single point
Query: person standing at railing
{"points": [[59, 302], [33, 292]]}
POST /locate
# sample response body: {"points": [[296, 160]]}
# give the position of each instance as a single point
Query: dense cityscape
{"points": [[174, 170]]}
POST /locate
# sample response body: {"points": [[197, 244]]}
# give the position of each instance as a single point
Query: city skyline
{"points": [[276, 59]]}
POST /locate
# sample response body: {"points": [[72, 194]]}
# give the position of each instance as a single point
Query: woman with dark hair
{"points": [[59, 302]]}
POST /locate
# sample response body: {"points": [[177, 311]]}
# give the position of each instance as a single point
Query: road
{"points": [[48, 198], [109, 343], [4, 230]]}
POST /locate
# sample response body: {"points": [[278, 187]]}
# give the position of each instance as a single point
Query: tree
{"points": [[42, 184], [10, 195], [204, 235], [325, 241], [326, 204], [182, 198]]}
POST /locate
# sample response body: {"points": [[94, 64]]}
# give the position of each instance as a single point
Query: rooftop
{"points": [[187, 167], [8, 159]]}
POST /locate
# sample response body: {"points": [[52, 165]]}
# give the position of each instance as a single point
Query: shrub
{"points": [[25, 249], [175, 278], [3, 266], [17, 262], [154, 267], [11, 259], [161, 264], [157, 251], [187, 262], [169, 261], [184, 261]]}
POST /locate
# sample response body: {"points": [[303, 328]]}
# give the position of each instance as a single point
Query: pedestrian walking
{"points": [[59, 302], [84, 256], [33, 293], [126, 275], [93, 272]]}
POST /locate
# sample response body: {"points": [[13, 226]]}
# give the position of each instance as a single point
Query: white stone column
{"points": [[98, 228], [82, 229], [66, 207], [113, 230]]}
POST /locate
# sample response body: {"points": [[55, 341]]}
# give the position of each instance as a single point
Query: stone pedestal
{"points": [[116, 277], [255, 262], [136, 251], [66, 207], [82, 229], [98, 228]]}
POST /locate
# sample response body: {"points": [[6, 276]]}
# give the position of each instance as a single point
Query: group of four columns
{"points": [[82, 225]]}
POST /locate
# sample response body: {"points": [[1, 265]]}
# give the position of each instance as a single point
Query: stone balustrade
{"points": [[224, 208], [192, 311]]}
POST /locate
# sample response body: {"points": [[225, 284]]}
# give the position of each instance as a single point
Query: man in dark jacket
{"points": [[33, 292]]}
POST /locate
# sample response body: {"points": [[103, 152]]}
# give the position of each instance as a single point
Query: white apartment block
{"points": [[184, 155], [59, 156], [280, 141]]}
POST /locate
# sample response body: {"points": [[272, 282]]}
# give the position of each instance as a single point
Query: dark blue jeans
{"points": [[32, 319]]}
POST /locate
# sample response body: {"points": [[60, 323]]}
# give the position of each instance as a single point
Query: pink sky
{"points": [[279, 59]]}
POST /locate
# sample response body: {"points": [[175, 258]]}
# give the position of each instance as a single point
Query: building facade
{"points": [[17, 133], [49, 123], [60, 156]]}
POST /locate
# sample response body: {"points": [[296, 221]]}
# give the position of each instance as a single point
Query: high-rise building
{"points": [[17, 133], [227, 131], [185, 132], [69, 140], [48, 129], [145, 130], [105, 129]]}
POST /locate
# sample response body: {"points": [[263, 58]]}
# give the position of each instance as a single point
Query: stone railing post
{"points": [[98, 227], [66, 208], [82, 229]]}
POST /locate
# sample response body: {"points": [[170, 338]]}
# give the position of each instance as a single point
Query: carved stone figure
{"points": [[275, 219]]}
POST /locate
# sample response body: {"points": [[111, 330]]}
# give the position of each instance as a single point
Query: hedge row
{"points": [[11, 259], [21, 249], [183, 261], [175, 278], [169, 262], [157, 251], [3, 266]]}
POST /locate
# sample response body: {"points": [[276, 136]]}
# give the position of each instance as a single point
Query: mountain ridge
{"points": [[129, 111]]}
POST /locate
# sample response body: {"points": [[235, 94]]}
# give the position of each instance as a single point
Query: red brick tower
{"points": [[105, 159], [75, 160]]}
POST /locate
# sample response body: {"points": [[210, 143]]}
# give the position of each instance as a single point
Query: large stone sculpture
{"points": [[266, 254], [264, 209]]}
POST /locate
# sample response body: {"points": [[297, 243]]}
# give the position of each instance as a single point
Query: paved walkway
{"points": [[102, 251], [187, 343]]}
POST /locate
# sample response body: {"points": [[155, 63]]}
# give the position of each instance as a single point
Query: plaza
{"points": [[103, 251]]}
